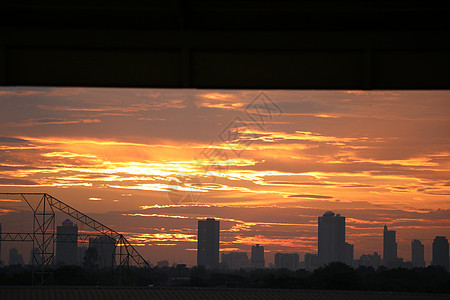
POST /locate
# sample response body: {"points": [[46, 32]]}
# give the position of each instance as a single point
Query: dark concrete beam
{"points": [[226, 44]]}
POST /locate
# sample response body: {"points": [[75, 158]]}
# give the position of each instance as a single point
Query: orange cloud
{"points": [[19, 93], [219, 100]]}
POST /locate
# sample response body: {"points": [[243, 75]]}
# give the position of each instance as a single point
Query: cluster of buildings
{"points": [[332, 247], [68, 252]]}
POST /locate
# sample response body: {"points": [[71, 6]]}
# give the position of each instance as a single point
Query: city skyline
{"points": [[137, 160], [68, 253], [333, 248]]}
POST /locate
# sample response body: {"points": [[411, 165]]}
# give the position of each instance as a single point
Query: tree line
{"points": [[335, 276]]}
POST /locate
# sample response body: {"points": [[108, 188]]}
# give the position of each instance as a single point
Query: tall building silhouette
{"points": [[440, 252], [417, 254], [208, 243], [66, 243], [331, 239], [257, 260], [287, 261], [389, 247]]}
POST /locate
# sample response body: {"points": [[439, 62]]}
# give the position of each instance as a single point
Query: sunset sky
{"points": [[151, 162]]}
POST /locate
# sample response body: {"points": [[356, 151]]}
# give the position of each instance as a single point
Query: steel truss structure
{"points": [[28, 237], [44, 236]]}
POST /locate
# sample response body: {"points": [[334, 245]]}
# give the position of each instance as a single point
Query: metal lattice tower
{"points": [[44, 233]]}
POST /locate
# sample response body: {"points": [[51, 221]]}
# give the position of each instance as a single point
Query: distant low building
{"points": [[35, 257], [15, 258], [311, 262], [348, 259], [67, 243], [235, 260], [162, 264], [287, 261], [0, 243], [81, 252], [105, 249], [370, 260]]}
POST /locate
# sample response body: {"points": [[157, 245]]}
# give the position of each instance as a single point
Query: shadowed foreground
{"points": [[336, 276], [112, 293]]}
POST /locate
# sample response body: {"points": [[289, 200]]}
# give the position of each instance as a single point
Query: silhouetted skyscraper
{"points": [[440, 252], [257, 260], [389, 247], [417, 254], [208, 243], [66, 243], [287, 261], [331, 241]]}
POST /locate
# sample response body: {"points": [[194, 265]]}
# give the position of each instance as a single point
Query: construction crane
{"points": [[43, 236]]}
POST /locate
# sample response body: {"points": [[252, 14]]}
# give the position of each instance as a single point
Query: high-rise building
{"points": [[208, 243], [440, 252], [257, 260], [235, 260], [66, 243], [417, 254], [389, 247], [311, 261], [349, 248], [15, 258], [331, 240], [287, 261]]}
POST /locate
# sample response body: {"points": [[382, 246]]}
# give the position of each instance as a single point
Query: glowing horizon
{"points": [[151, 162]]}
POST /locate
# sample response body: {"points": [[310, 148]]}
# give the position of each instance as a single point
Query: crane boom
{"points": [[124, 258]]}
